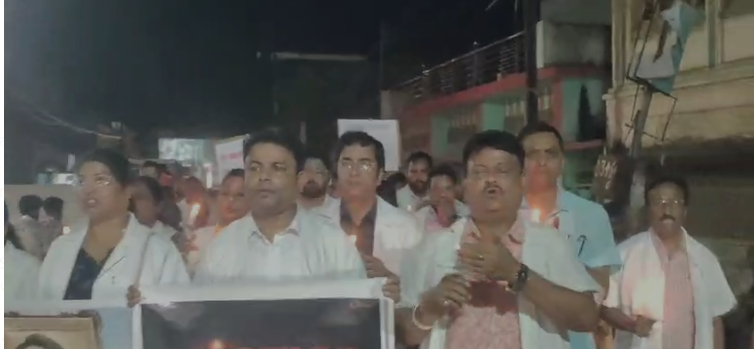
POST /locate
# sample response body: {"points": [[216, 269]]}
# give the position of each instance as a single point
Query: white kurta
{"points": [[162, 265], [638, 289], [21, 274], [545, 251], [311, 248], [396, 231]]}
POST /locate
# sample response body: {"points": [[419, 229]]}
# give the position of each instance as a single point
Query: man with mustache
{"points": [[418, 167], [495, 279], [583, 222], [670, 292], [313, 182]]}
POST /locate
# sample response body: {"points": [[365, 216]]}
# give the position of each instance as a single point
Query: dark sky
{"points": [[156, 62]]}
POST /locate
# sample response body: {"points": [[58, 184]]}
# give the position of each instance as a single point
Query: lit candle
{"points": [[536, 215], [193, 213], [217, 344], [353, 239]]}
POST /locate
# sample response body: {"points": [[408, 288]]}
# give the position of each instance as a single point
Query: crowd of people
{"points": [[488, 253]]}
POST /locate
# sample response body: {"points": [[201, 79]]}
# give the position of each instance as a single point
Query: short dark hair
{"points": [[235, 173], [493, 139], [540, 127], [667, 178], [29, 205], [115, 162], [420, 156], [153, 186], [150, 163], [396, 179], [53, 206], [318, 156], [444, 170], [361, 139], [280, 138], [39, 340]]}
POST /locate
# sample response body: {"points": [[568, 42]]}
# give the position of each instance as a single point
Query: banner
{"points": [[229, 154], [311, 315], [68, 324], [385, 131]]}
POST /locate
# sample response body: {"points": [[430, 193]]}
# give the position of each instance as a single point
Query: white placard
{"points": [[385, 131], [229, 154]]}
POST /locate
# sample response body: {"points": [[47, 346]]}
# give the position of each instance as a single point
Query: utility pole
{"points": [[530, 14]]}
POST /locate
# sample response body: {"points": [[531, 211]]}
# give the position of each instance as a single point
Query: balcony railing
{"points": [[481, 66]]}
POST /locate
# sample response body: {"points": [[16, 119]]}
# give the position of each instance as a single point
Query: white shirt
{"points": [[407, 200], [638, 289], [164, 231], [21, 274], [199, 239], [162, 264], [31, 236], [309, 248], [545, 251], [428, 218], [396, 231]]}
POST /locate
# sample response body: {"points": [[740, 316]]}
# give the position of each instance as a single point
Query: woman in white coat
{"points": [[21, 268], [102, 259]]}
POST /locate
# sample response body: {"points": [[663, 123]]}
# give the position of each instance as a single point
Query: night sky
{"points": [[152, 63]]}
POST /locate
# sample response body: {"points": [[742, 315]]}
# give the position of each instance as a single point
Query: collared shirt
{"points": [[491, 319], [544, 250], [308, 247], [678, 298], [640, 288], [364, 232], [21, 274], [587, 226], [429, 221], [407, 200]]}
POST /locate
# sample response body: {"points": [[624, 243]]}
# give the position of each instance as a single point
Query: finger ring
{"points": [[480, 257]]}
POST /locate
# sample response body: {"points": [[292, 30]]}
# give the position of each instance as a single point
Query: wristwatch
{"points": [[521, 278]]}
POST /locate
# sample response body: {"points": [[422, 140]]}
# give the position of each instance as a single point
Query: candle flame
{"points": [[536, 215], [353, 239], [217, 344]]}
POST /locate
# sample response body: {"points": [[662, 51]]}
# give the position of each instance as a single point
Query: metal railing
{"points": [[481, 66]]}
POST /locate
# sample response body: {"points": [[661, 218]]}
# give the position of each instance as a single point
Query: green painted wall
{"points": [[492, 116], [571, 94]]}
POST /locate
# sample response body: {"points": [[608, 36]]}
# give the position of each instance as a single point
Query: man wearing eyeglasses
{"points": [[381, 232]]}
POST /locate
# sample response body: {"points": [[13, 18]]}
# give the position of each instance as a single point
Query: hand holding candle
{"points": [[194, 213], [535, 215]]}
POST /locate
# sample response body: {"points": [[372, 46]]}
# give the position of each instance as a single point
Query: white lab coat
{"points": [[638, 289], [162, 265], [164, 231], [396, 231], [545, 251], [311, 248], [21, 274], [200, 239]]}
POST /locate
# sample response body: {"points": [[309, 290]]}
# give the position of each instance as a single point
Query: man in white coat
{"points": [[278, 240], [382, 233], [671, 291], [412, 195]]}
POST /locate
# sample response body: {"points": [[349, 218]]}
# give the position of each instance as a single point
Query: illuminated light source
{"points": [[353, 239], [193, 213], [216, 344], [66, 230], [535, 215]]}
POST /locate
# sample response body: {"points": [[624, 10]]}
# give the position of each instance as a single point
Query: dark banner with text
{"points": [[333, 323]]}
